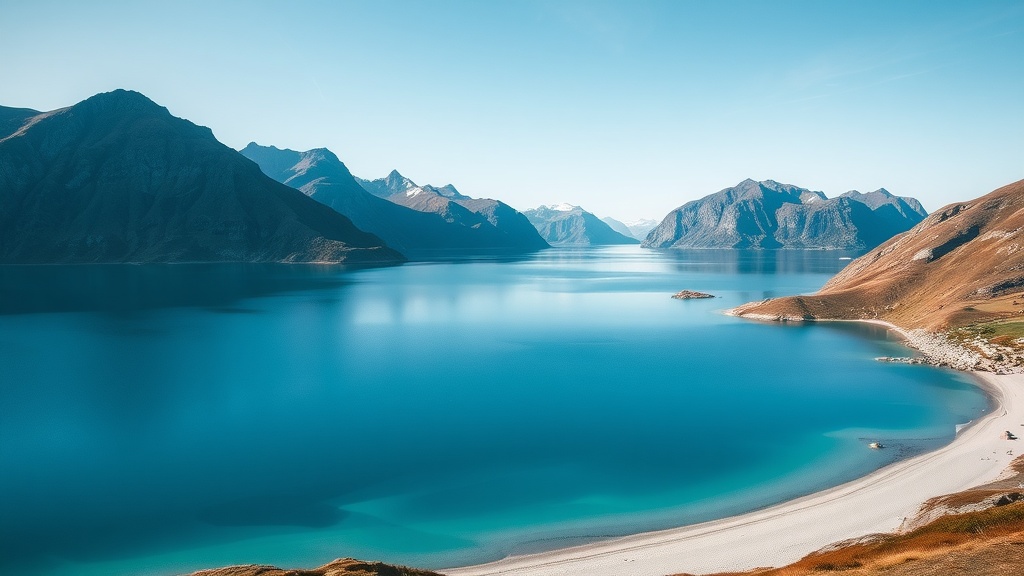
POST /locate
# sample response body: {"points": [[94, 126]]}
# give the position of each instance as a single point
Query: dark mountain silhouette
{"points": [[117, 178]]}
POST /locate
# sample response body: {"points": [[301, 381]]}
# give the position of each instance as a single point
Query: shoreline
{"points": [[783, 533]]}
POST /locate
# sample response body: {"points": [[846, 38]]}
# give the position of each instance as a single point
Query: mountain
{"points": [[117, 178], [618, 226], [962, 265], [567, 225], [772, 215], [11, 119], [319, 174], [459, 209], [642, 227]]}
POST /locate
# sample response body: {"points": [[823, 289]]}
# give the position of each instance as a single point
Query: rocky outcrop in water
{"points": [[772, 215], [567, 225], [117, 178]]}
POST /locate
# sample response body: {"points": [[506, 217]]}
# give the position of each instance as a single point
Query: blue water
{"points": [[160, 419]]}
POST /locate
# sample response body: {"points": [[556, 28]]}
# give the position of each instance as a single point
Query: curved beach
{"points": [[778, 535]]}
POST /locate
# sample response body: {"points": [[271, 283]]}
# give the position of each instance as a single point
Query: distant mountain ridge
{"points": [[770, 214], [319, 174], [619, 227], [117, 178], [568, 225], [457, 208]]}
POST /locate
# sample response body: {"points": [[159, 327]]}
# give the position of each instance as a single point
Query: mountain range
{"points": [[568, 225], [769, 214], [421, 222], [117, 178], [635, 228], [511, 229]]}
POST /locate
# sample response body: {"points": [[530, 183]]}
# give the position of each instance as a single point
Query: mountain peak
{"points": [[770, 214], [120, 100]]}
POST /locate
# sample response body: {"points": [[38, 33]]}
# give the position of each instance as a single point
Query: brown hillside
{"points": [[340, 567], [963, 264], [978, 532]]}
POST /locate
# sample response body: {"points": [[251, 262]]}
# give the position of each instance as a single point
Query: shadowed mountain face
{"points": [[565, 225], [116, 178], [773, 215], [13, 118], [456, 208], [419, 234], [963, 264]]}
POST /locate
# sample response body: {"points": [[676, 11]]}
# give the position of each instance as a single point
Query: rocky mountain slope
{"points": [[962, 265], [772, 215], [116, 178], [457, 208], [567, 225], [319, 174]]}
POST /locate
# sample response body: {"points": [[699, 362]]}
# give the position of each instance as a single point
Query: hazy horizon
{"points": [[628, 110]]}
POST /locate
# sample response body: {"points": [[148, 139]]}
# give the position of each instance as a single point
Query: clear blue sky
{"points": [[626, 108]]}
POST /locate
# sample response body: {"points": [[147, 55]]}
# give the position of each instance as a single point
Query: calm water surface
{"points": [[160, 419]]}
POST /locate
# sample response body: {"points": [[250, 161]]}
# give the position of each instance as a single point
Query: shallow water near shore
{"points": [[161, 419]]}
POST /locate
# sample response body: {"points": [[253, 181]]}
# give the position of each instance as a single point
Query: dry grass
{"points": [[989, 542]]}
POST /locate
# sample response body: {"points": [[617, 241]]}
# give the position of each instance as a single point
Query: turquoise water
{"points": [[160, 419]]}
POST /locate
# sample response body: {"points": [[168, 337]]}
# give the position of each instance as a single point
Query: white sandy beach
{"points": [[786, 532]]}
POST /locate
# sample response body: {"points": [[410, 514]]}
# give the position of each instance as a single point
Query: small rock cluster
{"points": [[690, 294]]}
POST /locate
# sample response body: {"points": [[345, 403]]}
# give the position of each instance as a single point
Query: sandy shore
{"points": [[786, 532]]}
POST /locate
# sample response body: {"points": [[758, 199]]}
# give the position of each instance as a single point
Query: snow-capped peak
{"points": [[563, 207]]}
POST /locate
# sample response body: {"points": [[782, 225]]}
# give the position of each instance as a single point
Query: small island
{"points": [[689, 294]]}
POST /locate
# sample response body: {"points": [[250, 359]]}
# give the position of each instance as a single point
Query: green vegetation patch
{"points": [[1002, 332]]}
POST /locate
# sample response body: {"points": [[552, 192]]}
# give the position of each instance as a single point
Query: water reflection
{"points": [[123, 288], [760, 261]]}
